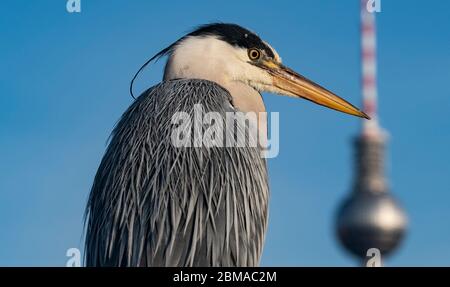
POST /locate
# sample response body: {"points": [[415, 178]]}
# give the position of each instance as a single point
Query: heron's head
{"points": [[228, 53]]}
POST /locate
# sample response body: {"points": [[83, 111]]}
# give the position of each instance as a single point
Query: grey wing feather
{"points": [[155, 204]]}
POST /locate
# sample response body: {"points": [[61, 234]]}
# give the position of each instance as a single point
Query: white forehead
{"points": [[203, 43], [205, 57], [209, 46]]}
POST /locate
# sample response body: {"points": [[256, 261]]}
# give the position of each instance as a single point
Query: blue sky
{"points": [[64, 83]]}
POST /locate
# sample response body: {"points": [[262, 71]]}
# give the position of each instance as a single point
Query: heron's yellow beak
{"points": [[294, 84]]}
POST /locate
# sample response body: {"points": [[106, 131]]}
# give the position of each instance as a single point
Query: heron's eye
{"points": [[254, 54]]}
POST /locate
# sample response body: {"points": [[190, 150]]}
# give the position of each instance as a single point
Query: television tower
{"points": [[370, 217]]}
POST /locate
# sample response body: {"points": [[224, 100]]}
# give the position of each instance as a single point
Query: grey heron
{"points": [[155, 204]]}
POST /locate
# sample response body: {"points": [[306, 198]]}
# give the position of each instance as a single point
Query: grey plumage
{"points": [[154, 204]]}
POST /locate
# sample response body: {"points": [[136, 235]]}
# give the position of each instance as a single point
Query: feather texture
{"points": [[155, 204]]}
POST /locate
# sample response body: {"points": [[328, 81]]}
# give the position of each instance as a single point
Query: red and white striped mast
{"points": [[370, 219], [369, 69]]}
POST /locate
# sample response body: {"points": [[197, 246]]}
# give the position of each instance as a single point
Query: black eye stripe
{"points": [[234, 35]]}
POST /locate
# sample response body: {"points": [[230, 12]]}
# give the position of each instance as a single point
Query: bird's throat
{"points": [[248, 100]]}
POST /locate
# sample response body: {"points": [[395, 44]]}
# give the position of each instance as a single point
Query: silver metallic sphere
{"points": [[370, 220]]}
